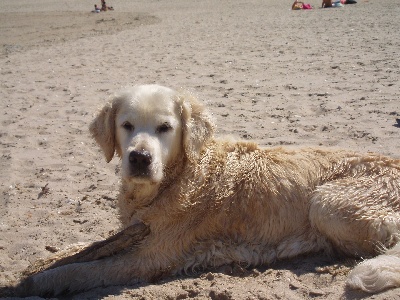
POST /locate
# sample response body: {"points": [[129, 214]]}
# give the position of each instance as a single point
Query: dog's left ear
{"points": [[102, 128], [197, 125]]}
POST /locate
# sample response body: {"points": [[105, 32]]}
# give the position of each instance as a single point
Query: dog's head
{"points": [[151, 127]]}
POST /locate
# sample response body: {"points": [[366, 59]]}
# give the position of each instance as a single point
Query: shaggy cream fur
{"points": [[210, 202]]}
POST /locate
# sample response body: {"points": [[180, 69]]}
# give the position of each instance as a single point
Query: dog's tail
{"points": [[377, 274]]}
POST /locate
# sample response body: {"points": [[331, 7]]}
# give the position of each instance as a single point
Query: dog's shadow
{"points": [[323, 265], [318, 264]]}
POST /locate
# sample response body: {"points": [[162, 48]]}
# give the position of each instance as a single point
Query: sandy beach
{"points": [[322, 77]]}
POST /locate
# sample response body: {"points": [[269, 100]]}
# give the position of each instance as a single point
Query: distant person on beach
{"points": [[104, 6], [300, 5], [96, 9]]}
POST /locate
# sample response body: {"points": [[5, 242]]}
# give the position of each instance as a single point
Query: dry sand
{"points": [[322, 77]]}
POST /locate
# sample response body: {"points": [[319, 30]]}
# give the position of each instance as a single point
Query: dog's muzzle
{"points": [[140, 163]]}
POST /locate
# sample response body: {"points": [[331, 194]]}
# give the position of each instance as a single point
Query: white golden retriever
{"points": [[210, 202]]}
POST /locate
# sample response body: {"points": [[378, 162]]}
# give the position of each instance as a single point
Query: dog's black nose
{"points": [[140, 161]]}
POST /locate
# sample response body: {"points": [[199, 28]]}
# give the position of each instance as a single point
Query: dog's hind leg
{"points": [[361, 217]]}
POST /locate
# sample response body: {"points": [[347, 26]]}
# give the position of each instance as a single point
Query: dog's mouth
{"points": [[140, 174], [141, 178]]}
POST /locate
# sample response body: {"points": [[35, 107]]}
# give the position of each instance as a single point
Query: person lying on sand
{"points": [[300, 5]]}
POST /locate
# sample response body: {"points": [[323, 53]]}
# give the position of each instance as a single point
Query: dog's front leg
{"points": [[77, 277], [133, 265], [107, 262]]}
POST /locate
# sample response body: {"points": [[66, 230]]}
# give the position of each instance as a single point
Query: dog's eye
{"points": [[128, 126], [164, 128]]}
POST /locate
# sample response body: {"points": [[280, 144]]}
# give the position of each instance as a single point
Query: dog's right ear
{"points": [[102, 128]]}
